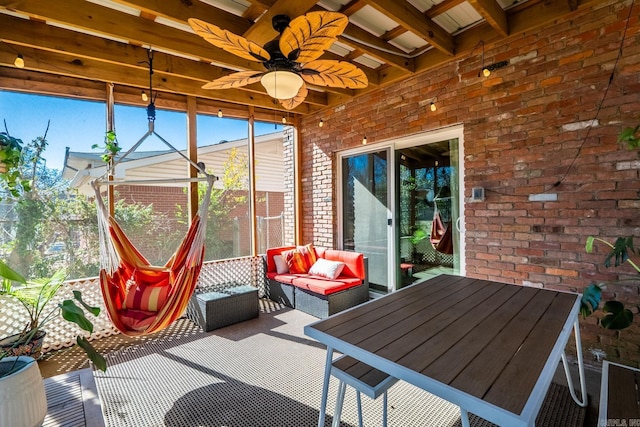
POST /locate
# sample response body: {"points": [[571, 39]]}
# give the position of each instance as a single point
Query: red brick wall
{"points": [[165, 200], [523, 127]]}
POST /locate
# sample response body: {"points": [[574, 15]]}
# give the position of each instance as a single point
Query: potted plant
{"points": [[22, 396], [616, 315]]}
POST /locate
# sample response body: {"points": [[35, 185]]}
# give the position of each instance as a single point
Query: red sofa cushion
{"points": [[284, 278], [271, 265], [324, 286], [353, 262]]}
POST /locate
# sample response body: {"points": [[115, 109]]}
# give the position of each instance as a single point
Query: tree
{"points": [[227, 205]]}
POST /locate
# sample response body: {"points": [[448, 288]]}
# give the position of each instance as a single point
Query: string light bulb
{"points": [[364, 140], [144, 96], [220, 112], [19, 61], [433, 106], [486, 72], [321, 123], [284, 120]]}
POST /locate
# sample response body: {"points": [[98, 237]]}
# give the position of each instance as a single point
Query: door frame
{"points": [[391, 145]]}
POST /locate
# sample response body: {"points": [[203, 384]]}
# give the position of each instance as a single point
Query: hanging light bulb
{"points": [[19, 61], [144, 96], [220, 112], [364, 140], [433, 106], [321, 123], [284, 120], [486, 72]]}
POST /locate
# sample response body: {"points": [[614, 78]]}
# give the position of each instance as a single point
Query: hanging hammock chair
{"points": [[441, 237], [141, 298]]}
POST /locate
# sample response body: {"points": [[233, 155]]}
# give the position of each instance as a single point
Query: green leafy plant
{"points": [[35, 296], [10, 160], [630, 136], [616, 315], [111, 146]]}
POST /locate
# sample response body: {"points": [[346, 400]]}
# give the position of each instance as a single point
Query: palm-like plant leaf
{"points": [[620, 251], [228, 41], [239, 79], [292, 103], [617, 317], [308, 36], [334, 74]]}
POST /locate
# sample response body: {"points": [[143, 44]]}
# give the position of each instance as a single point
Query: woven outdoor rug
{"points": [[262, 373]]}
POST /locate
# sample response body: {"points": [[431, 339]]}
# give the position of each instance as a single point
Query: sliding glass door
{"points": [[400, 206], [365, 212]]}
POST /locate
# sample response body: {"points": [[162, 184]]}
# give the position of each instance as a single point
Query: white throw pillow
{"points": [[281, 264], [326, 268]]}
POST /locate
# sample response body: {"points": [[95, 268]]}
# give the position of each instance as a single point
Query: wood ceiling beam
{"points": [[430, 13], [62, 64], [493, 13], [180, 12], [25, 81], [373, 46], [521, 19], [362, 40], [253, 12], [440, 8], [352, 7], [41, 36], [412, 19], [98, 19]]}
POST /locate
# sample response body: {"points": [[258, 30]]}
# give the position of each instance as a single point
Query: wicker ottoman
{"points": [[213, 310]]}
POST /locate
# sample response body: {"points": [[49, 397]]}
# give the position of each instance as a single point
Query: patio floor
{"points": [[262, 372]]}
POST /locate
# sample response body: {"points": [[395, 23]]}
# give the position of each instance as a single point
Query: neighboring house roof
{"points": [[82, 168]]}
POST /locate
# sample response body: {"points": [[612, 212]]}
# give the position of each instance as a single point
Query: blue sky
{"points": [[80, 124]]}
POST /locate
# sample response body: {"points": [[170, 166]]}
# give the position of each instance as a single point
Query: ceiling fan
{"points": [[290, 60]]}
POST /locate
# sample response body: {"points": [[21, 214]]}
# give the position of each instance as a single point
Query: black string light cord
{"points": [[604, 96]]}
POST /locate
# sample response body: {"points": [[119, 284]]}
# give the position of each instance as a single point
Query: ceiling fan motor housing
{"points": [[278, 61], [280, 22]]}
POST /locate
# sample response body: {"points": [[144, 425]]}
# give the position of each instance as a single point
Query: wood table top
{"points": [[485, 339]]}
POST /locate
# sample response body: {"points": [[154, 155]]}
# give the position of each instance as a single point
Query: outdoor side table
{"points": [[213, 310]]}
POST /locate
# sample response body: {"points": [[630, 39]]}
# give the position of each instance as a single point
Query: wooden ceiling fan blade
{"points": [[308, 36], [292, 103], [239, 79], [228, 41], [339, 74]]}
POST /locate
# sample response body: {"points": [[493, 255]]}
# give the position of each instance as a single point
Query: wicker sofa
{"points": [[316, 295]]}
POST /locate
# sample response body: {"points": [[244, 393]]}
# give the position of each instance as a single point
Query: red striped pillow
{"points": [[309, 255], [146, 298], [296, 261]]}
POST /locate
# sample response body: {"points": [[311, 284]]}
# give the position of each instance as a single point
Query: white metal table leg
{"points": [[337, 414], [325, 386], [464, 417], [359, 401], [583, 385]]}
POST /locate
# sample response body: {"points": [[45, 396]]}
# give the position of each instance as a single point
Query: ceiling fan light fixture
{"points": [[282, 84]]}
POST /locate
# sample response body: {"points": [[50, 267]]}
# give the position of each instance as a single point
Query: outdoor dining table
{"points": [[490, 348]]}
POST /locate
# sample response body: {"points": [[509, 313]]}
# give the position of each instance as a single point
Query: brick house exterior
{"points": [[539, 121]]}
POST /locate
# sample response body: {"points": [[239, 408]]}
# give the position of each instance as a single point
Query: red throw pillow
{"points": [[309, 254], [296, 261], [145, 298]]}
